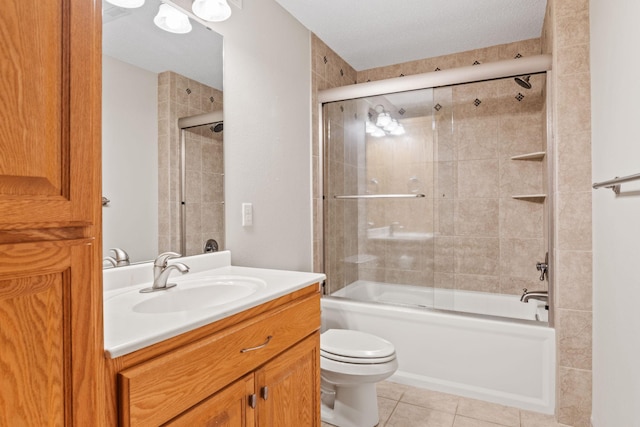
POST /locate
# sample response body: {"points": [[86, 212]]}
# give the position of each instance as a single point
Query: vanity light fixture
{"points": [[172, 20], [384, 124], [211, 10], [127, 4]]}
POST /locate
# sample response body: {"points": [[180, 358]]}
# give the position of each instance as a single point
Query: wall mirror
{"points": [[162, 185]]}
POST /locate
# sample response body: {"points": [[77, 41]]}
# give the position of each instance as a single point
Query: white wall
{"points": [[615, 67], [267, 140], [130, 159]]}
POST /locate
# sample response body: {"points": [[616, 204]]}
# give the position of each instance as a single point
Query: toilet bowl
{"points": [[351, 363]]}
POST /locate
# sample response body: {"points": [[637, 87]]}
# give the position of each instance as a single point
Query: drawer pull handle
{"points": [[244, 350]]}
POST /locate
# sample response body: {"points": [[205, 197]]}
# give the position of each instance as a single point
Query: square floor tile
{"points": [[491, 412], [391, 390], [431, 399], [406, 415], [535, 419], [461, 421]]}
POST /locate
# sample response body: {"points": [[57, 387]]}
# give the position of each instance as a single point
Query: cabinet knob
{"points": [[264, 392], [252, 401]]}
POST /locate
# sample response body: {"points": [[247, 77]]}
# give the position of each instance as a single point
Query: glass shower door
{"points": [[379, 185]]}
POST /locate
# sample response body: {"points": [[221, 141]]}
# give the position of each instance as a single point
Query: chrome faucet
{"points": [[121, 257], [161, 271], [539, 295]]}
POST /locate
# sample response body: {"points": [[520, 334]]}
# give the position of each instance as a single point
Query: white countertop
{"points": [[126, 331]]}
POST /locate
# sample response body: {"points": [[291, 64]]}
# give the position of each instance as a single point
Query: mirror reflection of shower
{"points": [[201, 182]]}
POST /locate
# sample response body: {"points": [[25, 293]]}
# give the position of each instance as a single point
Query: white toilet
{"points": [[351, 363]]}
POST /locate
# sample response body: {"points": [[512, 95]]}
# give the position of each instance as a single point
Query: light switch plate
{"points": [[247, 214]]}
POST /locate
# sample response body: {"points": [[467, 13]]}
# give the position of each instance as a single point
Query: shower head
{"points": [[217, 127], [524, 82]]}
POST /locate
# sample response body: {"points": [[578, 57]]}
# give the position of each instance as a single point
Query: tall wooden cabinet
{"points": [[50, 272]]}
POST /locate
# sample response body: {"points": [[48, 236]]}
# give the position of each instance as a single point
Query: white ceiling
{"points": [[375, 33], [365, 33]]}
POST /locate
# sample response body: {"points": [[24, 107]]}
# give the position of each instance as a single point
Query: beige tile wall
{"points": [[178, 97], [566, 35], [495, 240]]}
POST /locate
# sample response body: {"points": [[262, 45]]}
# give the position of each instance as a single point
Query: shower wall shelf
{"points": [[537, 198], [537, 156]]}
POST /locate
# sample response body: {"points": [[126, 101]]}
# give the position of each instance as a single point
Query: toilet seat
{"points": [[356, 347], [357, 360]]}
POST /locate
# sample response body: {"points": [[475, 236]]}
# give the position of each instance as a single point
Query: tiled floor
{"points": [[404, 406]]}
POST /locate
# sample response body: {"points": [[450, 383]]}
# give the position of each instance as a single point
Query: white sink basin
{"points": [[199, 293]]}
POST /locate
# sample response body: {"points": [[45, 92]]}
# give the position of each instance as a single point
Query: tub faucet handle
{"points": [[543, 268]]}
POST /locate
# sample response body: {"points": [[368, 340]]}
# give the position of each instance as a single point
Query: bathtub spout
{"points": [[539, 295]]}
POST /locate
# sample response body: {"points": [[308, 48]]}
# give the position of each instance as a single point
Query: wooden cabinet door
{"points": [[51, 347], [49, 112], [289, 387], [227, 408], [49, 335]]}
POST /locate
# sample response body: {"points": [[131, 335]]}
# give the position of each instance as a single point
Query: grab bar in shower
{"points": [[380, 196], [614, 184]]}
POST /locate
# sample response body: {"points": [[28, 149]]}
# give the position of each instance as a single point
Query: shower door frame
{"points": [[432, 80]]}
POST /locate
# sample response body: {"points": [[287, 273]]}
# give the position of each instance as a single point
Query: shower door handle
{"points": [[380, 196]]}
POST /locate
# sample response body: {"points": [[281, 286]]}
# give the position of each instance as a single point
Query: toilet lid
{"points": [[348, 343]]}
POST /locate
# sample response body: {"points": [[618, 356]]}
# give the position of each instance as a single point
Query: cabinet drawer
{"points": [[158, 390]]}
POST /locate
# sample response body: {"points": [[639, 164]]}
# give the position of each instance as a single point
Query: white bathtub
{"points": [[507, 361], [445, 299]]}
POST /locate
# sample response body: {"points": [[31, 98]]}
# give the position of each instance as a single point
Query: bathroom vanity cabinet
{"points": [[259, 367]]}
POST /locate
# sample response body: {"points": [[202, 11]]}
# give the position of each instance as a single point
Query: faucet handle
{"points": [[121, 256], [163, 258]]}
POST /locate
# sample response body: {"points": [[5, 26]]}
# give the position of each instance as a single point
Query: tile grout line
{"points": [[394, 408]]}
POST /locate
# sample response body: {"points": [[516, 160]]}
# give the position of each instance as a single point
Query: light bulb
{"points": [[391, 126], [399, 130], [378, 133], [211, 10], [127, 4], [172, 20], [383, 119]]}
